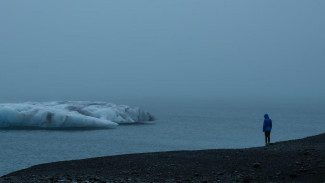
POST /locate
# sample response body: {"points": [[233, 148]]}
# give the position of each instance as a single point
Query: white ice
{"points": [[69, 115]]}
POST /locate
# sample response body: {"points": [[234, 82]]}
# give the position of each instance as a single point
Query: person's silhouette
{"points": [[267, 127]]}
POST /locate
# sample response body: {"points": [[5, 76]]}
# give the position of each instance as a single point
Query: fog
{"points": [[98, 50]]}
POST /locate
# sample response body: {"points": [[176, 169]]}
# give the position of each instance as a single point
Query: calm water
{"points": [[180, 125]]}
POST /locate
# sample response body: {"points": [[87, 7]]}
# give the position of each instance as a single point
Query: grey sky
{"points": [[89, 50]]}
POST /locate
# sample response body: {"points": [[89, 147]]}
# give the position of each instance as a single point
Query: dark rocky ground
{"points": [[300, 160]]}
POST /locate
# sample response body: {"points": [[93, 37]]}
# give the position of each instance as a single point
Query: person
{"points": [[267, 127]]}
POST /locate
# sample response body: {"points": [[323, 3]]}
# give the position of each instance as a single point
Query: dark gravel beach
{"points": [[300, 160]]}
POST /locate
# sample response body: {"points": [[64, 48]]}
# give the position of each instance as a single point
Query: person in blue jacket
{"points": [[267, 127]]}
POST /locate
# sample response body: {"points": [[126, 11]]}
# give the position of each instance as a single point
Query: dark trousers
{"points": [[267, 137]]}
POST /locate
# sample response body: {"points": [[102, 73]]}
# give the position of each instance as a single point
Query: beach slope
{"points": [[301, 160]]}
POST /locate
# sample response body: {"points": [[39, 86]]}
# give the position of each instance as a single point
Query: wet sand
{"points": [[301, 160]]}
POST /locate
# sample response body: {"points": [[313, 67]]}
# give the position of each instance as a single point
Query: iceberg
{"points": [[69, 115]]}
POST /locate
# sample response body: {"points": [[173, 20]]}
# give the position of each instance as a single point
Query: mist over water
{"points": [[82, 50]]}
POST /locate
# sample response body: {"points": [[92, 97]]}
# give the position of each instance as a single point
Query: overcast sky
{"points": [[90, 50]]}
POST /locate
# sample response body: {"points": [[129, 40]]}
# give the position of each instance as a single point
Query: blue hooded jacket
{"points": [[267, 126]]}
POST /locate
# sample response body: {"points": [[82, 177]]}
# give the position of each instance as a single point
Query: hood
{"points": [[266, 116]]}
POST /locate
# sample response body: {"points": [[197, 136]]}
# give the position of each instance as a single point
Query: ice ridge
{"points": [[69, 115]]}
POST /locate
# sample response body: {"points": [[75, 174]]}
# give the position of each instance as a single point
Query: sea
{"points": [[181, 124]]}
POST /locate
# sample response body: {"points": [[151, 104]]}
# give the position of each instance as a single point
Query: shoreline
{"points": [[301, 160]]}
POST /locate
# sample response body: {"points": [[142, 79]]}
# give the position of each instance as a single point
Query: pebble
{"points": [[293, 175], [246, 180], [221, 173], [257, 165], [196, 174], [303, 169], [298, 163]]}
